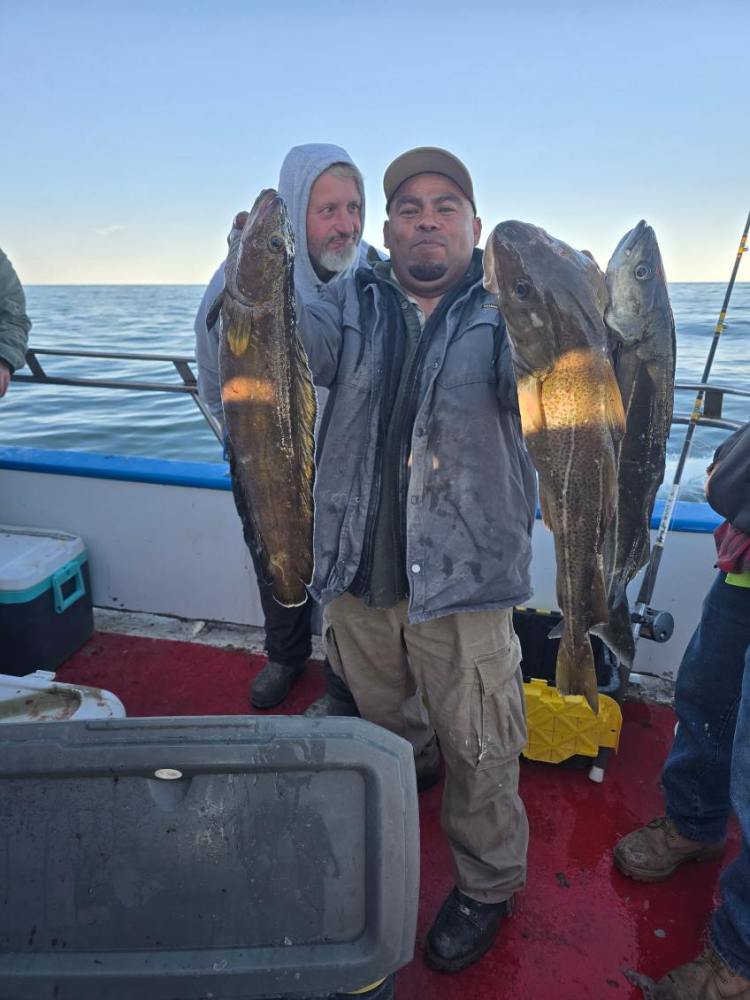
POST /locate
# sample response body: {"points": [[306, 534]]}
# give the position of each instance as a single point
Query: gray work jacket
{"points": [[472, 492]]}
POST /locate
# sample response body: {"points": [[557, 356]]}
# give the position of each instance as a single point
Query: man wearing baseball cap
{"points": [[425, 499]]}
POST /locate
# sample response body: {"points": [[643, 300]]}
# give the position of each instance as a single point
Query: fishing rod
{"points": [[648, 583]]}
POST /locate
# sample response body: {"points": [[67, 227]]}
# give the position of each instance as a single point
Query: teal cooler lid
{"points": [[34, 560]]}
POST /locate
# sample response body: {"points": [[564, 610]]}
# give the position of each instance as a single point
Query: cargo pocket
{"points": [[501, 731], [332, 651]]}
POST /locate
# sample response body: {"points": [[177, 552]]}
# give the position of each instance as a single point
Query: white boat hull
{"points": [[165, 538]]}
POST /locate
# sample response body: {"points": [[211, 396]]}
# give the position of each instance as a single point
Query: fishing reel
{"points": [[655, 625]]}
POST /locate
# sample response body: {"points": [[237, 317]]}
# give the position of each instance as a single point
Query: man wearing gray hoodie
{"points": [[324, 195]]}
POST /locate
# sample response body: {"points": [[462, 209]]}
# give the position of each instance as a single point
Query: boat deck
{"points": [[579, 924]]}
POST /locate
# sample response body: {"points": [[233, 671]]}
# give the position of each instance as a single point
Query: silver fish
{"points": [[640, 318]]}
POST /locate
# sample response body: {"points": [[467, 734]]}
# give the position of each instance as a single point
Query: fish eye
{"points": [[642, 271], [275, 242], [522, 288]]}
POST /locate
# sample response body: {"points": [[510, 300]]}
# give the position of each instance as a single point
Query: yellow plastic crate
{"points": [[565, 726]]}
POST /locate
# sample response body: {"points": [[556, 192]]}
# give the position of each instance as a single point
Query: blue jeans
{"points": [[707, 772]]}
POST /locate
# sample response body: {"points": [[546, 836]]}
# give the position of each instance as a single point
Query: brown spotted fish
{"points": [[553, 300], [269, 400]]}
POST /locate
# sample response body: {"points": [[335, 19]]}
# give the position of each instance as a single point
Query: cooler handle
{"points": [[65, 573]]}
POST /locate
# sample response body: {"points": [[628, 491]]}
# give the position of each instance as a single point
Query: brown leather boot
{"points": [[707, 978], [655, 851]]}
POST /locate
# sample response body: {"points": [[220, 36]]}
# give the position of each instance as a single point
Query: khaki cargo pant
{"points": [[467, 667]]}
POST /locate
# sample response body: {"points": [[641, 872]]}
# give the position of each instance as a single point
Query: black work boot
{"points": [[463, 931], [273, 683], [328, 705]]}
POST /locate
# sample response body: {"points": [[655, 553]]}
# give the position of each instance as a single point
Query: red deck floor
{"points": [[577, 925]]}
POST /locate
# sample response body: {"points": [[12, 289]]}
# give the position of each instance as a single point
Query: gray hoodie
{"points": [[301, 168]]}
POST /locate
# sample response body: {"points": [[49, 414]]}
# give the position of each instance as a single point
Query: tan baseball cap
{"points": [[426, 160]]}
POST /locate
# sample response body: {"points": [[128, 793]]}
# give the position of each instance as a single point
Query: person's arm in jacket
{"points": [[320, 324], [728, 488], [14, 323], [207, 348], [507, 392]]}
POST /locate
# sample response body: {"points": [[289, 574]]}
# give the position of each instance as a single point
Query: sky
{"points": [[131, 132]]}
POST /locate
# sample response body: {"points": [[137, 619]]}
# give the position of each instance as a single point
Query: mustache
{"points": [[343, 237]]}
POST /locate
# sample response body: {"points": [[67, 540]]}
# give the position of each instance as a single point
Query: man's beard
{"points": [[427, 270], [339, 260]]}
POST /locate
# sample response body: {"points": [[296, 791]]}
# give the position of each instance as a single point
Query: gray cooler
{"points": [[205, 857]]}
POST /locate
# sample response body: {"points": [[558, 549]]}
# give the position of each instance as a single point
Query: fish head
{"points": [[261, 252], [552, 297], [636, 284]]}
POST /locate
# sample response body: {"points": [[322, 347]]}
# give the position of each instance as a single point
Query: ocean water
{"points": [[159, 319]]}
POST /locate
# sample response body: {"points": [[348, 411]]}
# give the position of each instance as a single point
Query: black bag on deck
{"points": [[195, 857]]}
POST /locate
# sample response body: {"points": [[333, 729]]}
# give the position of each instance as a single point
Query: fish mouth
{"points": [[266, 220], [503, 256], [266, 201], [637, 237], [514, 232]]}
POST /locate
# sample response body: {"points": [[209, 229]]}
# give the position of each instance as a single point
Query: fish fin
{"points": [[214, 310], [599, 602], [306, 409], [588, 253], [608, 504], [237, 329], [530, 405], [557, 631], [617, 633], [614, 410], [575, 671], [642, 553], [546, 508]]}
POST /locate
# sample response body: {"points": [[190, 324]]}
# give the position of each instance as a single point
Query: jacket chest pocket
{"points": [[472, 352], [354, 359]]}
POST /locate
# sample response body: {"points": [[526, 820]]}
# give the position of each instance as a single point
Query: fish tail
{"points": [[286, 587], [615, 411], [617, 634], [576, 673], [288, 591]]}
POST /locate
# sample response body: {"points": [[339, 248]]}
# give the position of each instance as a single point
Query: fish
{"points": [[639, 317], [553, 299], [268, 399]]}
